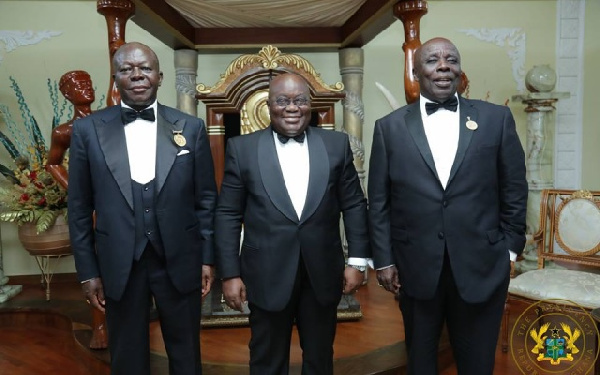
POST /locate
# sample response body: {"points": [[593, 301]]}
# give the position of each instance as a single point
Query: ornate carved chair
{"points": [[237, 105], [569, 235]]}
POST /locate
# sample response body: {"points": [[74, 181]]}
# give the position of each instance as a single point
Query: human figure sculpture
{"points": [[76, 87]]}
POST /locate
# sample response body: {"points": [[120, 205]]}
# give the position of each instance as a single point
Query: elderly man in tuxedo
{"points": [[147, 172], [447, 201], [288, 185]]}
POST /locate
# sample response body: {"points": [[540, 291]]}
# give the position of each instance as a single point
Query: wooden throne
{"points": [[237, 105]]}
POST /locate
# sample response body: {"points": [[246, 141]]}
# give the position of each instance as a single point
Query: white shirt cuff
{"points": [[512, 255], [360, 262]]}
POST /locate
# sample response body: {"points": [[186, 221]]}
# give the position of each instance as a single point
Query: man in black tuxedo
{"points": [[147, 172], [288, 185], [447, 201]]}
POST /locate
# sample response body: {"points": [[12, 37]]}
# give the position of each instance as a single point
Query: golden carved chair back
{"points": [[242, 91]]}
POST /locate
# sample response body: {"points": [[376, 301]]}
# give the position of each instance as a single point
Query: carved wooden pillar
{"points": [[352, 70], [186, 65], [326, 119], [116, 12], [215, 126], [410, 13]]}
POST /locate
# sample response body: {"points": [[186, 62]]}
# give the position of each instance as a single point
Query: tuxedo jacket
{"points": [[478, 217], [100, 182], [254, 193]]}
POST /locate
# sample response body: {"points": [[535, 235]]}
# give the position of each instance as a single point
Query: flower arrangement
{"points": [[28, 193]]}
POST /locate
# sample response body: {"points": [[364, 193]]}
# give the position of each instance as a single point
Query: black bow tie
{"points": [[298, 138], [130, 115], [450, 104]]}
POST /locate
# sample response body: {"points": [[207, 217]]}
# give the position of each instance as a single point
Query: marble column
{"points": [[6, 291], [186, 66], [352, 70], [539, 159]]}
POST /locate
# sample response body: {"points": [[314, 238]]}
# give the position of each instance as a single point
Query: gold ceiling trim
{"points": [[269, 58]]}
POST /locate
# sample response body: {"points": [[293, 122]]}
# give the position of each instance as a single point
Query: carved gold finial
{"points": [[269, 58], [583, 194]]}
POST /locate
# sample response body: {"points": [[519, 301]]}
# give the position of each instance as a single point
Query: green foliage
{"points": [[29, 194]]}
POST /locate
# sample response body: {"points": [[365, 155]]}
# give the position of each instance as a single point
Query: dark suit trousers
{"points": [[473, 328], [128, 321], [272, 332]]}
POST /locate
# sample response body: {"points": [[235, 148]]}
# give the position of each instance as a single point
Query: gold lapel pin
{"points": [[179, 138], [471, 125]]}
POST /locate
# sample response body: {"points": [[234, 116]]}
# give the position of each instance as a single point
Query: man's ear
{"points": [[415, 75]]}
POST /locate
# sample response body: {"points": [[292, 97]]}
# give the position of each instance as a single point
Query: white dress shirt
{"points": [[295, 165], [140, 136], [441, 128], [294, 162]]}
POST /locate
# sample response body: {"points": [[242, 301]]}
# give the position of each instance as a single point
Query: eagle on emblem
{"points": [[538, 338]]}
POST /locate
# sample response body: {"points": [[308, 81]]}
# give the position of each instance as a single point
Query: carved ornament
{"points": [[269, 58]]}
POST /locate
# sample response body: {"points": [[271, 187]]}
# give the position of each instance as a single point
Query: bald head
{"points": [[289, 104], [437, 69], [137, 74], [128, 47]]}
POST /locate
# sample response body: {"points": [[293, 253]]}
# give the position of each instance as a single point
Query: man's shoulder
{"points": [[104, 111], [104, 114], [330, 135], [483, 105], [249, 138], [174, 114], [400, 112]]}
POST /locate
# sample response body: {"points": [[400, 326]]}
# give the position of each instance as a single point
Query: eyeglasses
{"points": [[298, 102]]}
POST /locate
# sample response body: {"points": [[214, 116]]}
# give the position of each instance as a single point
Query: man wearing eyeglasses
{"points": [[288, 185]]}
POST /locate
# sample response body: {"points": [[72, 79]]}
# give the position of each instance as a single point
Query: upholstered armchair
{"points": [[568, 243]]}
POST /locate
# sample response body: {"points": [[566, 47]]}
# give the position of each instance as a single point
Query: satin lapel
{"points": [[166, 149], [319, 174], [272, 176], [414, 123], [467, 111], [111, 137]]}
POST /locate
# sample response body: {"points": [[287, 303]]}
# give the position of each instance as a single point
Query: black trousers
{"points": [[473, 328], [272, 332], [127, 321]]}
